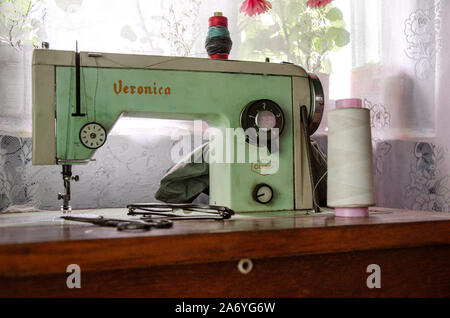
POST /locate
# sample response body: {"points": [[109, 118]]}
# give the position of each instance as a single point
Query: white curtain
{"points": [[15, 90], [391, 61], [397, 62], [394, 64], [442, 77], [159, 27], [400, 68]]}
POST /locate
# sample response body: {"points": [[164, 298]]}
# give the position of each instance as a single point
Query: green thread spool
{"points": [[217, 31]]}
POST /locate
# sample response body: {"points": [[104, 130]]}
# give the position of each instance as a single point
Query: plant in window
{"points": [[299, 31], [174, 32], [18, 24], [182, 26], [255, 7]]}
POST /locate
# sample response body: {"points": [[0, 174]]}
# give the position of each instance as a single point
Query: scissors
{"points": [[162, 210], [120, 224]]}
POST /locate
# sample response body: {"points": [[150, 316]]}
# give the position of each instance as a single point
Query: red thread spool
{"points": [[223, 56], [218, 20]]}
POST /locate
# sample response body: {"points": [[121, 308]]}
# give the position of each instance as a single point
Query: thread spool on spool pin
{"points": [[218, 41], [350, 169]]}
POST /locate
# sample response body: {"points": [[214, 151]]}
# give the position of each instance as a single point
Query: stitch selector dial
{"points": [[93, 135], [262, 114], [263, 193]]}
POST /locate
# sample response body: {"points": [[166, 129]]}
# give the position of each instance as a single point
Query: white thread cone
{"points": [[350, 168]]}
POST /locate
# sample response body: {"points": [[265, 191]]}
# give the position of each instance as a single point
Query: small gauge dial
{"points": [[263, 193], [93, 135], [266, 119], [260, 115]]}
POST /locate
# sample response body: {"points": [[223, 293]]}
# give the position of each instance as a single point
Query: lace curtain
{"points": [[390, 60], [394, 64], [396, 61]]}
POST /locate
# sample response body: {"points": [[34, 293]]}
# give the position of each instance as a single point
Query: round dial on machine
{"points": [[93, 135], [263, 193], [262, 114]]}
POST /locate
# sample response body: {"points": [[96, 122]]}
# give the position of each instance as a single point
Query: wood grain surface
{"points": [[415, 272], [293, 256]]}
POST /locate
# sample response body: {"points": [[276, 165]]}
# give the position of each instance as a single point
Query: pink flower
{"points": [[317, 3], [255, 7]]}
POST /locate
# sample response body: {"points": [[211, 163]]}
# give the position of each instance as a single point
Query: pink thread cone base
{"points": [[351, 212]]}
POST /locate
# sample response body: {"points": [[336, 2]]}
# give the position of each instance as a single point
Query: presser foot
{"points": [[66, 209], [67, 177]]}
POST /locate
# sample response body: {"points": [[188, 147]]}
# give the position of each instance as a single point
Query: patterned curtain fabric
{"points": [[397, 69], [394, 55]]}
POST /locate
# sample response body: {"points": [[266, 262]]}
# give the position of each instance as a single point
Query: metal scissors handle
{"points": [[167, 216], [215, 212], [120, 224]]}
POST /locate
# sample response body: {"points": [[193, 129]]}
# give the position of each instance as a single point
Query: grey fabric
{"points": [[187, 179]]}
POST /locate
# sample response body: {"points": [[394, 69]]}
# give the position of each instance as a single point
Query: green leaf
{"points": [[334, 14], [342, 38], [338, 24]]}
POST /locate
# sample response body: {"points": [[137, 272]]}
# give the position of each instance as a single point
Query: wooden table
{"points": [[292, 256]]}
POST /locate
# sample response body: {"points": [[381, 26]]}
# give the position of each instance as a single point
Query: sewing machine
{"points": [[78, 97]]}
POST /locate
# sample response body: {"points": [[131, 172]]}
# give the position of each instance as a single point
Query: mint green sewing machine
{"points": [[78, 97]]}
